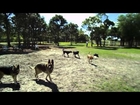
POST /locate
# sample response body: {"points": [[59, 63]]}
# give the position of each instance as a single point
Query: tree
{"points": [[56, 25], [82, 37], [91, 25], [7, 25], [1, 24], [107, 24], [128, 27], [31, 30]]}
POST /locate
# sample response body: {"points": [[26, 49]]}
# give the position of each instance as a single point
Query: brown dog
{"points": [[46, 68], [91, 57], [10, 70]]}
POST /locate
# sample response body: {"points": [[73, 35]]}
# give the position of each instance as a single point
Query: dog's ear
{"points": [[49, 61], [18, 66], [52, 61]]}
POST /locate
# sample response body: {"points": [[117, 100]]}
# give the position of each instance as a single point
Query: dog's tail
{"points": [[31, 67]]}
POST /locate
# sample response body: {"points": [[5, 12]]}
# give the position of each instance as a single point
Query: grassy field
{"points": [[116, 55], [107, 52], [112, 52]]}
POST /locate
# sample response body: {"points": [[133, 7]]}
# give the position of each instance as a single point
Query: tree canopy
{"points": [[31, 27]]}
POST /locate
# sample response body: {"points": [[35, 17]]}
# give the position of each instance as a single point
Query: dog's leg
{"points": [[37, 71], [46, 77], [36, 75], [14, 78], [89, 61], [50, 78], [68, 55], [78, 55], [63, 54], [1, 75], [74, 55]]}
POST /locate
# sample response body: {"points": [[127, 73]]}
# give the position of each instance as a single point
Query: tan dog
{"points": [[91, 57], [46, 68], [10, 70]]}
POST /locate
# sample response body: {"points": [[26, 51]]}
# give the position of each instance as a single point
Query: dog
{"points": [[66, 52], [46, 68], [76, 53], [91, 57], [10, 70]]}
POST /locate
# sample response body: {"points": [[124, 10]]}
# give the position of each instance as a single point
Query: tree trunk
{"points": [[91, 43], [8, 38], [19, 41], [104, 43], [71, 40]]}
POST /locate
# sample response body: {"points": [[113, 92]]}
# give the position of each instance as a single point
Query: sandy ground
{"points": [[70, 74]]}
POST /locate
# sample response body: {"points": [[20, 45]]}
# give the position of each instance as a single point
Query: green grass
{"points": [[106, 52], [114, 84], [117, 85], [5, 43]]}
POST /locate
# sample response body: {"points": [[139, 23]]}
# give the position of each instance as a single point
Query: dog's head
{"points": [[50, 64], [15, 69]]}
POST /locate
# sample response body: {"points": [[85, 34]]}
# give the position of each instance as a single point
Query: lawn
{"points": [[117, 70], [107, 52], [117, 83]]}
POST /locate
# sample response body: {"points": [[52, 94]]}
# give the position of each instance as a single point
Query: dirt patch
{"points": [[70, 74]]}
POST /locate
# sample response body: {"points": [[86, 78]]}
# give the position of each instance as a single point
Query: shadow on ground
{"points": [[94, 64], [65, 47], [26, 51], [52, 86], [14, 52], [10, 85], [107, 48], [130, 47]]}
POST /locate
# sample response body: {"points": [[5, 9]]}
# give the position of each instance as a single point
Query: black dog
{"points": [[10, 70], [76, 53], [66, 52]]}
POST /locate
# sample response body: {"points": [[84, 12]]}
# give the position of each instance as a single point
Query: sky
{"points": [[77, 18]]}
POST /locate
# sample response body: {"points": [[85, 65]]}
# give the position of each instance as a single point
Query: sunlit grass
{"points": [[113, 84], [107, 52], [117, 85]]}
